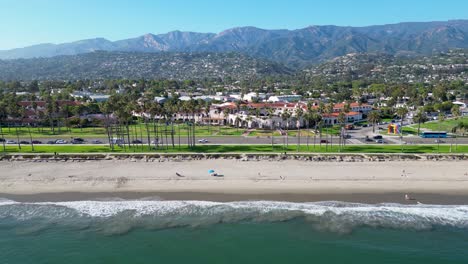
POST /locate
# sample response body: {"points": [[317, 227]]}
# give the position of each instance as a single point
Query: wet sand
{"points": [[368, 198]]}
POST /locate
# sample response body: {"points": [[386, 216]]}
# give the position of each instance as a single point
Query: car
{"points": [[377, 137], [380, 141], [36, 142], [137, 141], [365, 125], [51, 142], [438, 141], [203, 140], [60, 141], [24, 142], [10, 141], [96, 141], [324, 141], [77, 141], [2, 140], [369, 140]]}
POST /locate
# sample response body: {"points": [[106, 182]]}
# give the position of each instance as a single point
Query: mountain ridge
{"points": [[295, 48]]}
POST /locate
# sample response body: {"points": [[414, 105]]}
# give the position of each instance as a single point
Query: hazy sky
{"points": [[27, 22]]}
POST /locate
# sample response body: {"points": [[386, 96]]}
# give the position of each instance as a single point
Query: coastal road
{"points": [[239, 140]]}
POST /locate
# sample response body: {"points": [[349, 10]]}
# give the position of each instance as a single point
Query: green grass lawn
{"points": [[100, 132], [445, 125], [244, 149]]}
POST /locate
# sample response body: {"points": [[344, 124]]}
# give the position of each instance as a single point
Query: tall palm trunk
{"points": [[30, 137], [148, 134], [17, 137], [308, 134], [2, 136]]}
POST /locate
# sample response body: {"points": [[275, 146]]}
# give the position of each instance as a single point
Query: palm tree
{"points": [[459, 130], [420, 117], [207, 115], [226, 112], [299, 114], [374, 118], [329, 109], [402, 112], [285, 116], [441, 119], [341, 120], [271, 112], [237, 122]]}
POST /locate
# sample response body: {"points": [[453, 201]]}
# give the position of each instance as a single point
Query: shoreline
{"points": [[364, 198]]}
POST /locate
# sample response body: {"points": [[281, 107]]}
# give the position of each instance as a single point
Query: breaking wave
{"points": [[116, 217]]}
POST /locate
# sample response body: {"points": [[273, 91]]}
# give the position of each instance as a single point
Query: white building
{"points": [[285, 98]]}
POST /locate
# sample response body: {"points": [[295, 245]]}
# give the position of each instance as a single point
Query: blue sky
{"points": [[27, 22]]}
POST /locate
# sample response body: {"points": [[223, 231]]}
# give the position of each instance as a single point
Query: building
{"points": [[285, 98]]}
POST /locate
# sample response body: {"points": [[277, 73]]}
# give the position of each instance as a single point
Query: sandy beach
{"points": [[237, 180]]}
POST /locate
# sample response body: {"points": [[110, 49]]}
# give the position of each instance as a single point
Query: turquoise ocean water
{"points": [[237, 232]]}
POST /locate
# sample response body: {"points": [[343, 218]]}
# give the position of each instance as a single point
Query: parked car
{"points": [[60, 141], [137, 141], [96, 141], [2, 140], [380, 141], [324, 141], [378, 137], [24, 142], [36, 142], [438, 141], [77, 141], [51, 142], [10, 141], [203, 140], [369, 140]]}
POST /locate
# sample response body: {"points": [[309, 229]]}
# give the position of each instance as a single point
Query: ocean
{"points": [[150, 231]]}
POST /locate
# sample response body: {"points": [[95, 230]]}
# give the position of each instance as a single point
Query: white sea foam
{"points": [[335, 216]]}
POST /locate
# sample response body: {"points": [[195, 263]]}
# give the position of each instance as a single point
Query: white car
{"points": [[60, 141], [10, 142], [203, 140]]}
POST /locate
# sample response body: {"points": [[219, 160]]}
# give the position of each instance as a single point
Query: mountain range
{"points": [[294, 48]]}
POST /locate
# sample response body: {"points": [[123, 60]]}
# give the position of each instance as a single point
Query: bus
{"points": [[434, 134]]}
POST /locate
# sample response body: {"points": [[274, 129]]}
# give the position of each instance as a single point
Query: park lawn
{"points": [[304, 133], [100, 132], [245, 149], [264, 133], [445, 125]]}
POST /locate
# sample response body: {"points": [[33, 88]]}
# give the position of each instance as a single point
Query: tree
{"points": [[341, 121], [270, 113], [374, 118], [402, 112], [460, 130], [299, 114], [441, 119], [455, 111], [285, 117], [420, 117], [226, 112]]}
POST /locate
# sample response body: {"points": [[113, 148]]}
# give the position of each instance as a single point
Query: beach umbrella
{"points": [[211, 171]]}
